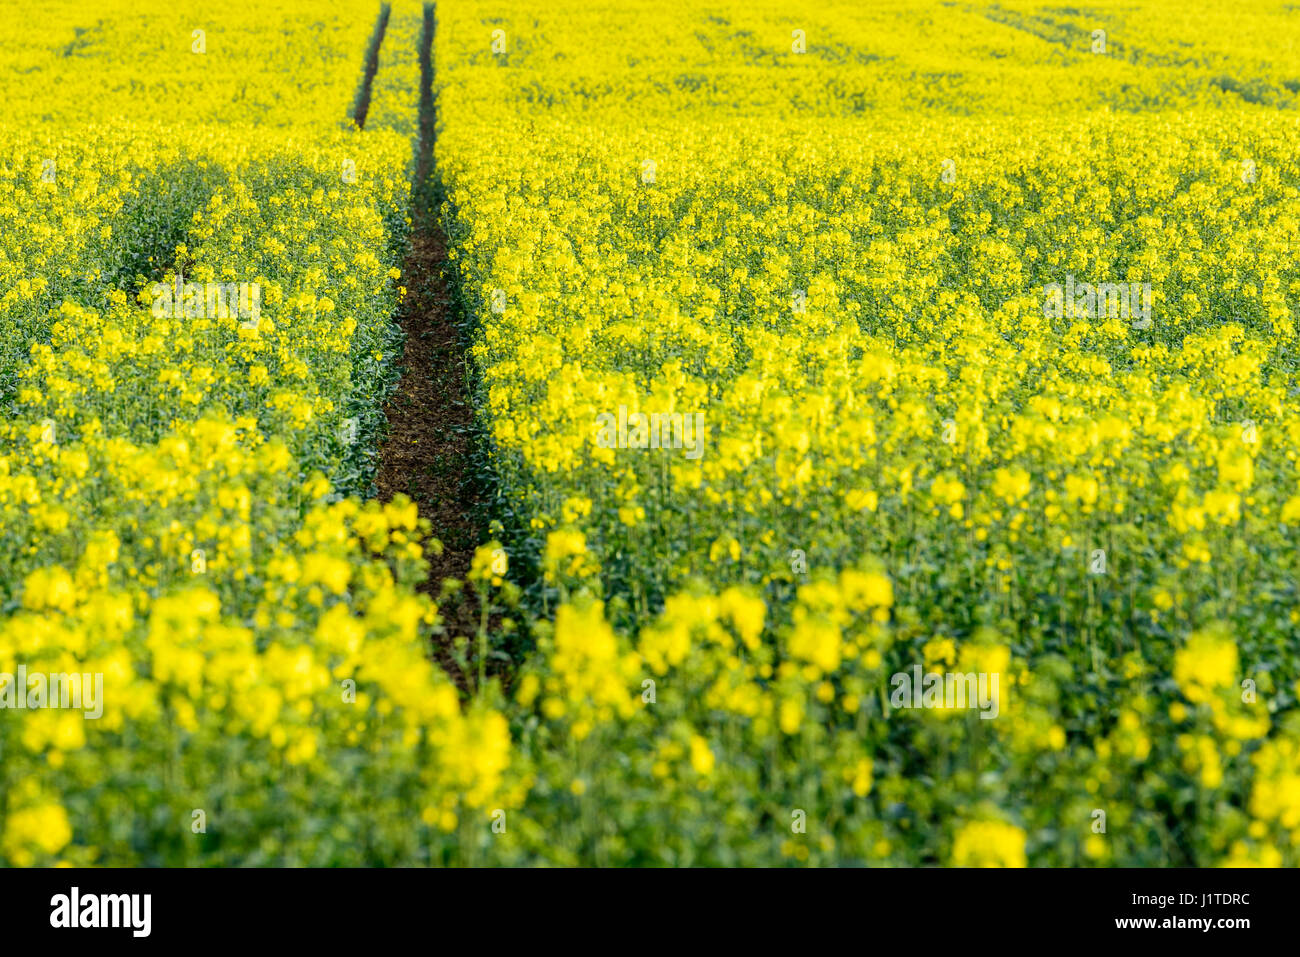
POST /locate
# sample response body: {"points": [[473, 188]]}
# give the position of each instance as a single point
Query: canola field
{"points": [[815, 353]]}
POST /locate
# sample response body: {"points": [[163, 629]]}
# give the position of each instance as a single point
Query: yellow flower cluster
{"points": [[813, 349], [839, 243], [989, 844], [171, 521]]}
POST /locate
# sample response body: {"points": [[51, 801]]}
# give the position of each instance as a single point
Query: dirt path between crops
{"points": [[361, 106], [427, 454]]}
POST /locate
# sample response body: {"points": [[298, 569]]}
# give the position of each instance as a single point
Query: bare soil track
{"points": [[428, 451], [361, 106]]}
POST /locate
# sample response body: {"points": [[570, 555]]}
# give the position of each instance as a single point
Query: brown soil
{"points": [[430, 416], [427, 455], [362, 105]]}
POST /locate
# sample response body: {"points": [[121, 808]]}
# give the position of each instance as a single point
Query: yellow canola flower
{"points": [[41, 829], [49, 589], [989, 844], [1205, 664], [702, 758], [592, 671]]}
